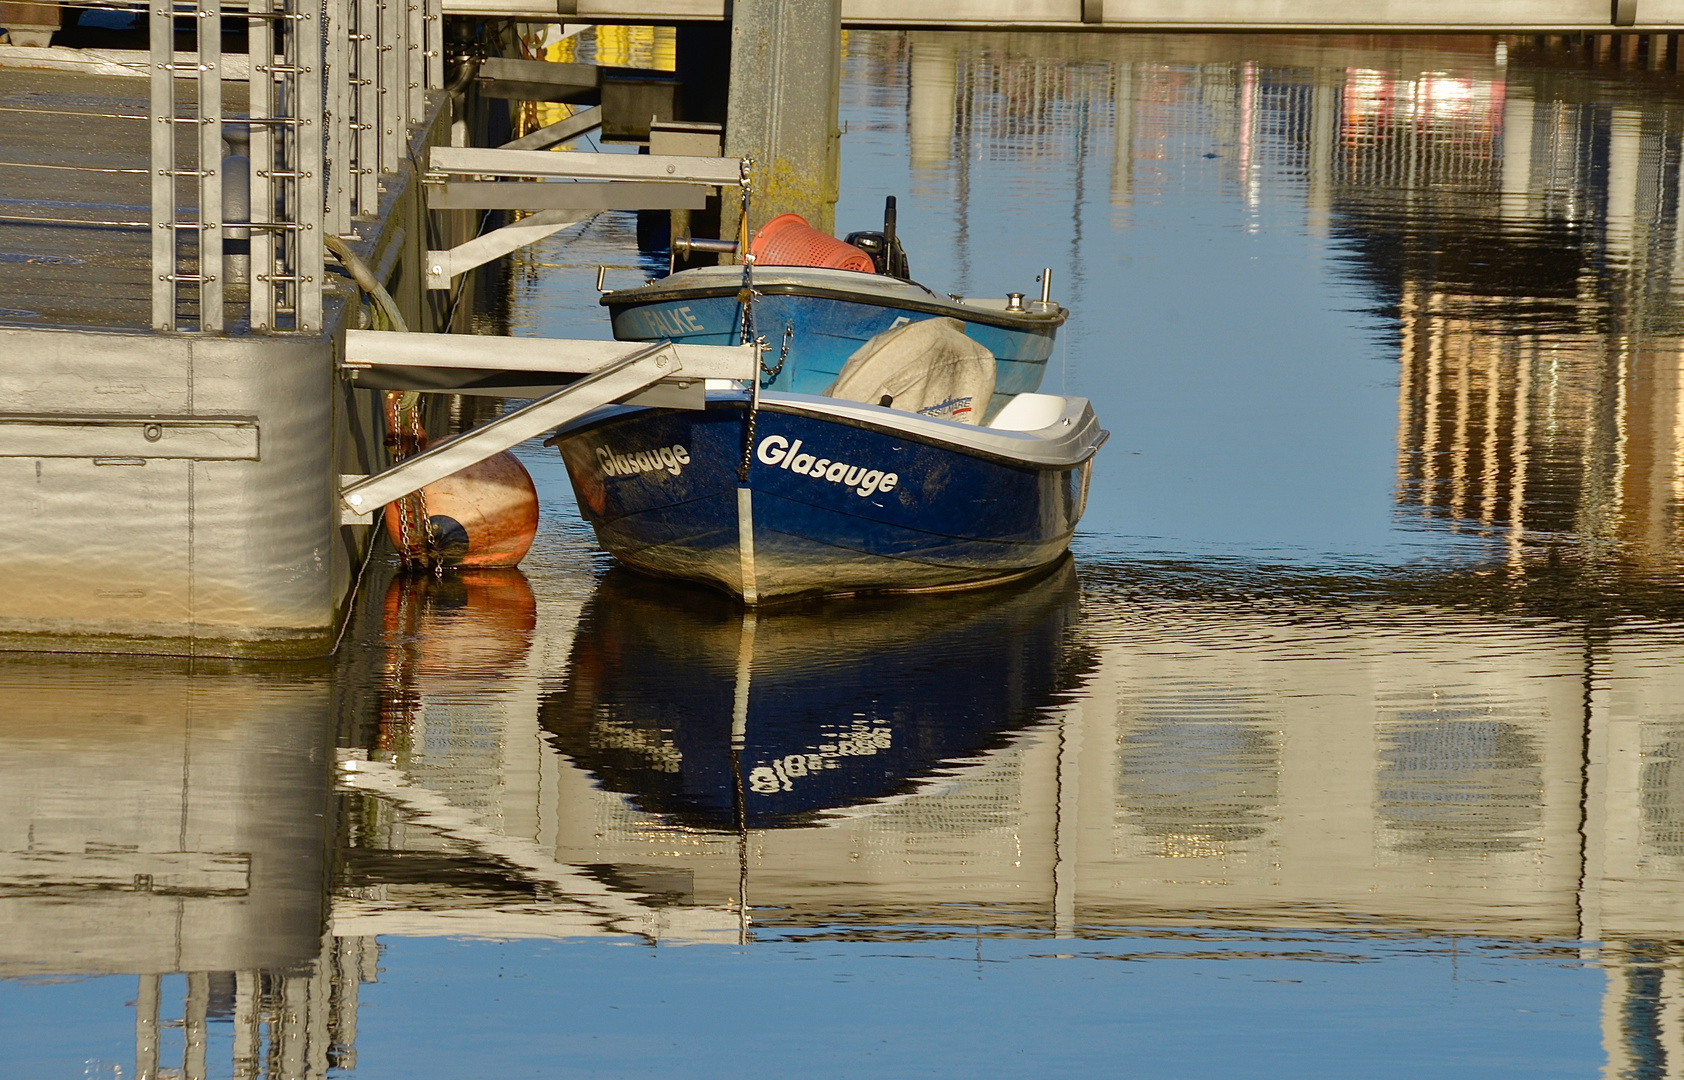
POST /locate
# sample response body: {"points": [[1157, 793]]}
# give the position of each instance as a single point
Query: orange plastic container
{"points": [[787, 240]]}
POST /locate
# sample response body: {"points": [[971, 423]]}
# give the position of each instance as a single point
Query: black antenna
{"points": [[890, 263]]}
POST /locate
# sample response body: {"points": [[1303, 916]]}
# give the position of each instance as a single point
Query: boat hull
{"points": [[878, 508], [831, 313]]}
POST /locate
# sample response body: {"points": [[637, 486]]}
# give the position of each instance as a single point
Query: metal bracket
{"points": [[609, 384], [442, 266], [347, 516], [662, 168], [558, 132]]}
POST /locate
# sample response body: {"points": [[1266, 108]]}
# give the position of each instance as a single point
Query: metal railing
{"points": [[335, 89]]}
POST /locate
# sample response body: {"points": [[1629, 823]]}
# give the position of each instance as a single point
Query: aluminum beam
{"points": [[476, 161], [384, 348], [558, 132], [618, 380], [538, 80], [580, 200], [444, 265]]}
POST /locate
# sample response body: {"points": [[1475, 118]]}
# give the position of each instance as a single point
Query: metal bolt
{"points": [[153, 432]]}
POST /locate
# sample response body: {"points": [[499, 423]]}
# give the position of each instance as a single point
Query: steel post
{"points": [[261, 46], [435, 44], [162, 113], [209, 27], [415, 69], [368, 107], [146, 997], [307, 209], [393, 95], [336, 63], [195, 1017]]}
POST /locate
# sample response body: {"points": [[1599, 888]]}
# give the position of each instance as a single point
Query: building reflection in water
{"points": [[1517, 210]]}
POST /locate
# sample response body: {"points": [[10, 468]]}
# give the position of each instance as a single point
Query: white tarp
{"points": [[928, 367]]}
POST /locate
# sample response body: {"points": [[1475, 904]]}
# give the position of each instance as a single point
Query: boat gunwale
{"points": [[1006, 320], [814, 406]]}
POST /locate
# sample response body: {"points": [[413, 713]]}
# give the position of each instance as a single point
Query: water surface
{"points": [[1351, 742]]}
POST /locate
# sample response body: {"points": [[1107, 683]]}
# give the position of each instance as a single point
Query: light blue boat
{"points": [[827, 315]]}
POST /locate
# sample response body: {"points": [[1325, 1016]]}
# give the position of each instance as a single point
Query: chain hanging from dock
{"points": [[746, 297], [406, 438]]}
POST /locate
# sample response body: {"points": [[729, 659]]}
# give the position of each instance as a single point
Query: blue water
{"points": [[1136, 1006]]}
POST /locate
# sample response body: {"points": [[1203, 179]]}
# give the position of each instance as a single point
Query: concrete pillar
{"points": [[1122, 134], [1624, 151], [930, 107], [1517, 156], [786, 77], [1324, 115]]}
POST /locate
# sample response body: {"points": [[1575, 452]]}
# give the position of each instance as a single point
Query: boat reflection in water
{"points": [[719, 719]]}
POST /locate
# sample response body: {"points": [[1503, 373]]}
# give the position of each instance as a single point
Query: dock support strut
{"points": [[620, 379]]}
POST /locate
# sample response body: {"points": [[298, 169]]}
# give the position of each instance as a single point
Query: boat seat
{"points": [[927, 367], [1029, 412]]}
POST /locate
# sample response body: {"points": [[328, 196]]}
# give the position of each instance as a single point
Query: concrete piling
{"points": [[786, 73]]}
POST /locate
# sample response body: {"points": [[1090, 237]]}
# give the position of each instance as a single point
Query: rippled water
{"points": [[1351, 742]]}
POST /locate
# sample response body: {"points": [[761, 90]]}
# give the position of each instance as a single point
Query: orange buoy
{"points": [[483, 516], [787, 240]]}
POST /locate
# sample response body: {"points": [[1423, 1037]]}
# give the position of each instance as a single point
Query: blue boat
{"points": [[826, 316], [717, 720], [838, 497]]}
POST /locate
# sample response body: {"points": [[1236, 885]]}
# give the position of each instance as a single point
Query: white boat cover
{"points": [[927, 367]]}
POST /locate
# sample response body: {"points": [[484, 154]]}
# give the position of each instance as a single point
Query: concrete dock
{"points": [[169, 492]]}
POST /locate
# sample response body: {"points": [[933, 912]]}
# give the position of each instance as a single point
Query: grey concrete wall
{"points": [[150, 551], [153, 553]]}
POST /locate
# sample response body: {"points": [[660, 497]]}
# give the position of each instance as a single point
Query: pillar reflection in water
{"points": [[165, 821]]}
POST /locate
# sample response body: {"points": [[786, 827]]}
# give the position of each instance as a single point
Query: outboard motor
{"points": [[884, 247]]}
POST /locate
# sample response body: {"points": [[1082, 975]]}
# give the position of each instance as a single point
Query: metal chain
{"points": [[429, 531], [783, 355], [753, 415], [749, 336], [415, 530], [746, 296]]}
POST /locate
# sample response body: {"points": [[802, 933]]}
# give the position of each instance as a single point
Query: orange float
{"points": [[787, 240], [483, 516]]}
